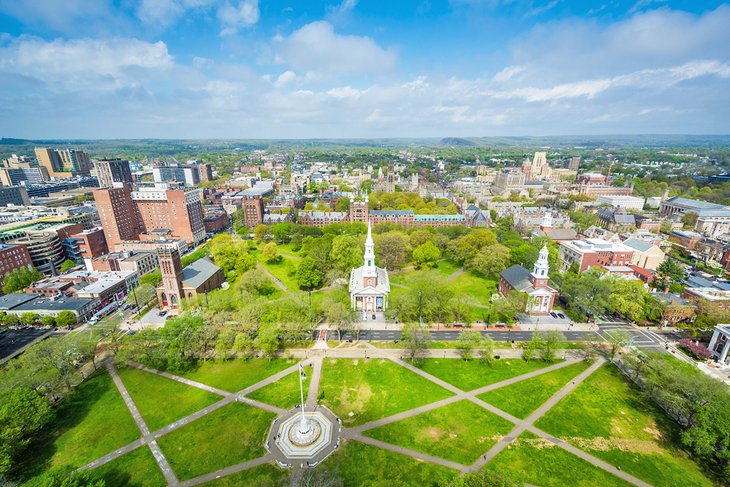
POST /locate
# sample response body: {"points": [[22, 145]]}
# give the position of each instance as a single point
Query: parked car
{"points": [[561, 315], [163, 312], [553, 314]]}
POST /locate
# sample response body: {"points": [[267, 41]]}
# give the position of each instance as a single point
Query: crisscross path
{"points": [[149, 438]]}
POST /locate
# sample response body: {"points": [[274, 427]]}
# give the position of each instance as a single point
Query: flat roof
{"points": [[11, 301]]}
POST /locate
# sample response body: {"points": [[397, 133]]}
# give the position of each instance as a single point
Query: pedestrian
{"points": [[619, 467]]}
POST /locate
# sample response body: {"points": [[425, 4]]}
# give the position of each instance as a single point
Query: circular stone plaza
{"points": [[304, 436]]}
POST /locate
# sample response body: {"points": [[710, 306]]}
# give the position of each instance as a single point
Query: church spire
{"points": [[369, 256], [542, 267]]}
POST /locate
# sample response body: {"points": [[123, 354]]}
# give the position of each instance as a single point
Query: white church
{"points": [[369, 284]]}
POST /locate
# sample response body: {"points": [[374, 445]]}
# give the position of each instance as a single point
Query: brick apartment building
{"points": [[13, 257], [129, 215], [593, 252]]}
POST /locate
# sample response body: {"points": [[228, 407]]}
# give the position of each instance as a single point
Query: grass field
{"points": [[284, 270], [524, 397], [531, 460], [472, 374], [91, 422], [228, 436], [362, 390], [162, 401], [444, 267], [475, 286], [135, 469], [357, 464], [610, 418], [283, 393], [262, 476], [444, 433], [236, 374]]}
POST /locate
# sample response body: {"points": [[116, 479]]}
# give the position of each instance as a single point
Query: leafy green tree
{"points": [[260, 232], [670, 270], [243, 344], [486, 354], [66, 477], [483, 478], [29, 318], [270, 252], [392, 249], [491, 260], [583, 220], [346, 253], [10, 319], [67, 264], [308, 275], [257, 283], [469, 340], [426, 255], [20, 278], [267, 340], [48, 321], [66, 319], [534, 346], [416, 341], [551, 344], [22, 414]]}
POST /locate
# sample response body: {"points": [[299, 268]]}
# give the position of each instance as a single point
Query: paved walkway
{"points": [[356, 433], [456, 274], [278, 283]]}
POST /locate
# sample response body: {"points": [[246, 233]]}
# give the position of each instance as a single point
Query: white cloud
{"points": [[232, 18], [285, 78], [83, 62], [508, 73], [167, 12], [317, 48]]}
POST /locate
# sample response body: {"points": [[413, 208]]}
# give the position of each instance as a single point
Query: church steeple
{"points": [[547, 221], [369, 269], [540, 271]]}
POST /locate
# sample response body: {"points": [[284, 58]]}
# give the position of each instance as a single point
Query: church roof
{"points": [[357, 283], [517, 276], [198, 272]]}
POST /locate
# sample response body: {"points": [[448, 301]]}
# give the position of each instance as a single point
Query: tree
{"points": [[20, 278], [346, 253], [689, 219], [535, 344], [10, 319], [483, 478], [308, 275], [271, 253], [426, 255], [22, 414], [29, 318], [550, 346], [486, 354], [618, 340], [468, 341], [49, 321], [392, 249], [257, 283], [260, 232], [416, 341], [66, 319], [67, 264], [670, 270], [243, 344], [267, 340], [492, 260]]}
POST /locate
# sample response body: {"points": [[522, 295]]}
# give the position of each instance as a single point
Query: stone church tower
{"points": [[172, 275]]}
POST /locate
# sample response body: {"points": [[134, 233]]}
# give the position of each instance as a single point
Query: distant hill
{"points": [[457, 142]]}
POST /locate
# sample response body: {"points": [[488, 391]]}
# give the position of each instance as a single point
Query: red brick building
{"points": [[594, 252], [13, 257]]}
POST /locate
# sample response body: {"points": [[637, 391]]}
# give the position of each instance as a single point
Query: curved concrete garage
{"points": [[291, 442]]}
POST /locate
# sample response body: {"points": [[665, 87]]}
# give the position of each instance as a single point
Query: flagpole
{"points": [[301, 393]]}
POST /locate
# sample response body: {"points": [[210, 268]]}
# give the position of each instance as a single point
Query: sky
{"points": [[362, 69]]}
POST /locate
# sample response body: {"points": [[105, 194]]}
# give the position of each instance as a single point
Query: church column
{"points": [[723, 354]]}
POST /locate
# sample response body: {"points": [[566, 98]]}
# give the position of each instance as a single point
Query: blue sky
{"points": [[407, 68]]}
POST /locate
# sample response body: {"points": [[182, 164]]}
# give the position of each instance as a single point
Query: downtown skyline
{"points": [[248, 69]]}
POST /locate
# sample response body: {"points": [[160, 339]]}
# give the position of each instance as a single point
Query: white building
{"points": [[369, 284], [720, 344], [626, 202]]}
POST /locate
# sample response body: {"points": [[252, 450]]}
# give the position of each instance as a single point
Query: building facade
{"points": [[369, 284], [540, 295], [110, 171], [13, 257], [593, 252]]}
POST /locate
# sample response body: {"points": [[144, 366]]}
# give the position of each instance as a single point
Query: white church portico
{"points": [[369, 284]]}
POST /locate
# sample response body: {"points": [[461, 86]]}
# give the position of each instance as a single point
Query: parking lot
{"points": [[13, 341]]}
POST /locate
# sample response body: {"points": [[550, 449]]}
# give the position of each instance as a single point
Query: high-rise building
{"points": [[172, 277], [253, 210], [13, 257], [538, 169], [183, 174], [14, 195], [110, 171], [14, 176], [206, 172], [65, 163], [117, 214], [573, 163]]}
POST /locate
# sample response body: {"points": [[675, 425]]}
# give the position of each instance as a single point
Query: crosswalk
{"points": [[637, 337]]}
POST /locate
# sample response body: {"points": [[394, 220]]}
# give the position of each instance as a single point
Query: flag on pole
{"points": [[301, 371]]}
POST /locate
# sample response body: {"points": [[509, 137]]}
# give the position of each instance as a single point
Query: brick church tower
{"points": [[172, 276]]}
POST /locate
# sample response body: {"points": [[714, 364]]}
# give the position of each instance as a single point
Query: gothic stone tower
{"points": [[172, 274]]}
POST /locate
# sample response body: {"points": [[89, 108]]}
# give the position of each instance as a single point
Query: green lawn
{"points": [[357, 464], [283, 393], [265, 475], [524, 397], [532, 460], [475, 286], [284, 270], [90, 422], [362, 390], [444, 267], [162, 401], [445, 433], [612, 420], [472, 374], [228, 436], [236, 374], [136, 469]]}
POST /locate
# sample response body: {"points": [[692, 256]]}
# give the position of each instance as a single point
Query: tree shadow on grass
{"points": [[70, 413]]}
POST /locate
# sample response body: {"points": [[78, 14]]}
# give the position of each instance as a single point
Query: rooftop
{"points": [[198, 272]]}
